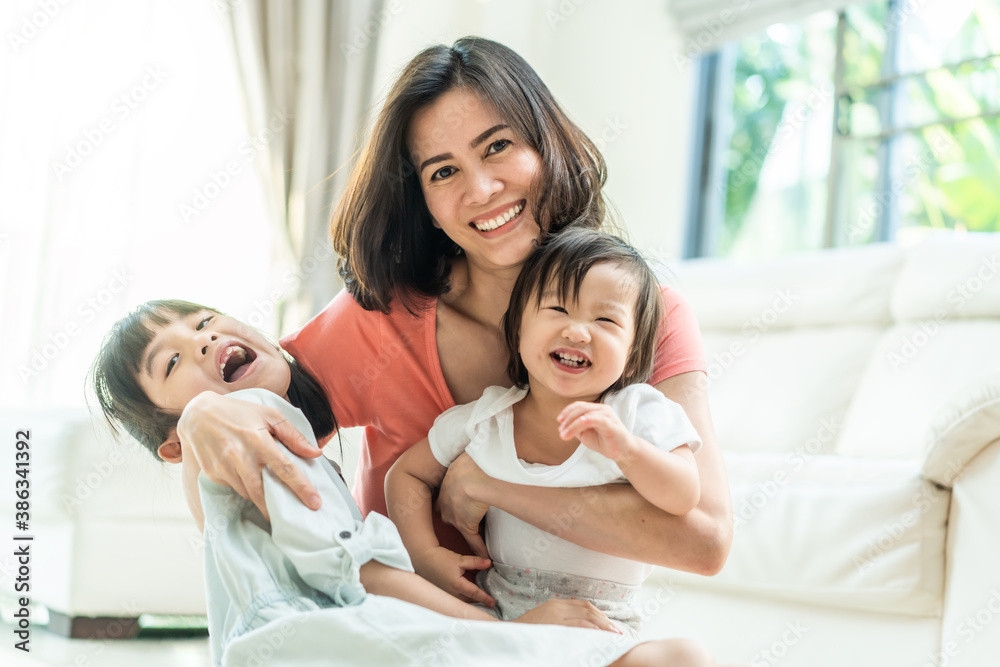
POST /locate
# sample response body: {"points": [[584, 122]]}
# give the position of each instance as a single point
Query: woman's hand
{"points": [[446, 569], [233, 440], [457, 504], [573, 613]]}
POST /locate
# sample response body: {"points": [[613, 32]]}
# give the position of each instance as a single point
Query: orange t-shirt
{"points": [[382, 372]]}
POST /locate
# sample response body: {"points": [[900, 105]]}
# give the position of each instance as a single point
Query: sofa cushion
{"points": [[966, 425], [914, 371], [949, 277], [832, 530], [850, 286], [79, 470], [775, 391]]}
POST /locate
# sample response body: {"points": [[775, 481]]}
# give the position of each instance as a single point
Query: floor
{"points": [[52, 650]]}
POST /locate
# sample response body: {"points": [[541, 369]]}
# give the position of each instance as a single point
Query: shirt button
{"points": [[345, 534]]}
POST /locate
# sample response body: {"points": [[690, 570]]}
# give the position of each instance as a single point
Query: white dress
{"points": [[532, 565], [290, 593]]}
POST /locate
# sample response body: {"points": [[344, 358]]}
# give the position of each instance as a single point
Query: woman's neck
{"points": [[481, 294]]}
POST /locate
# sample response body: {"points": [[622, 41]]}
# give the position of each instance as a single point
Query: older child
{"points": [[305, 587], [581, 331]]}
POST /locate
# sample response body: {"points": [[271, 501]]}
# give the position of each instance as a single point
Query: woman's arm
{"points": [[615, 519], [232, 441]]}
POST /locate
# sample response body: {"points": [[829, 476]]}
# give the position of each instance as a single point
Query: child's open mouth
{"points": [[569, 360], [235, 362]]}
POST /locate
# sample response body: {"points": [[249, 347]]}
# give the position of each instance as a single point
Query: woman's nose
{"points": [[482, 185]]}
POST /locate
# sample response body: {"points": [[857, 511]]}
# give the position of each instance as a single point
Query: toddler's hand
{"points": [[446, 569], [597, 426], [574, 613]]}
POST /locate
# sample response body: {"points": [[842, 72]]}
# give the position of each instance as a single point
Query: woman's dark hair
{"points": [[562, 262], [114, 378], [381, 228]]}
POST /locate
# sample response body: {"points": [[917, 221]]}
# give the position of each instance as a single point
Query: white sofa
{"points": [[113, 538], [852, 394], [856, 396]]}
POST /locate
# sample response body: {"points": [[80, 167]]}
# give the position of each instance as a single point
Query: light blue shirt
{"points": [[290, 593]]}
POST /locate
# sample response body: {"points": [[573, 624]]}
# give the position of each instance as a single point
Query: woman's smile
{"points": [[499, 218]]}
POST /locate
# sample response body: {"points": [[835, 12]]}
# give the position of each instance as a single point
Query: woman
{"points": [[470, 162]]}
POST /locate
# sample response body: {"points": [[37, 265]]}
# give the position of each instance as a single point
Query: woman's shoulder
{"points": [[344, 312], [671, 298]]}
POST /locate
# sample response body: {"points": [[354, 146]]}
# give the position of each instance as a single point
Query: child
{"points": [[581, 329], [307, 586]]}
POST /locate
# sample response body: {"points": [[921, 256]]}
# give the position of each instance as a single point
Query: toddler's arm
{"points": [[408, 487], [668, 480]]}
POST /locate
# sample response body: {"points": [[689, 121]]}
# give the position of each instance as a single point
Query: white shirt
{"points": [[485, 430]]}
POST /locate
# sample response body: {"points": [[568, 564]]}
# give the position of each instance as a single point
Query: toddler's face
{"points": [[205, 351], [578, 349]]}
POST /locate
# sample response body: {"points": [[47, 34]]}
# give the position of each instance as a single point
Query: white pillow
{"points": [[961, 429]]}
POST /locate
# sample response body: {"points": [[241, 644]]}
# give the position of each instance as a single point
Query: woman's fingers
{"points": [[478, 546], [276, 458], [232, 441], [289, 436], [454, 502]]}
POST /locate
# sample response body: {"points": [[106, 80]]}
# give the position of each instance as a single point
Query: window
{"points": [[849, 128]]}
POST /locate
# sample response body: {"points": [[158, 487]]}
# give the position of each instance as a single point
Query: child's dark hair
{"points": [[563, 261], [114, 378]]}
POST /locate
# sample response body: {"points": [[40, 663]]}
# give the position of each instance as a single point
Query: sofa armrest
{"points": [[961, 429]]}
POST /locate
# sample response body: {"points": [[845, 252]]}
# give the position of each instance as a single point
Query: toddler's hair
{"points": [[114, 378], [563, 261]]}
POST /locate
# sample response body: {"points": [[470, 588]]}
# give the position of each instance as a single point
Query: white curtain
{"points": [[707, 24], [306, 68], [122, 179]]}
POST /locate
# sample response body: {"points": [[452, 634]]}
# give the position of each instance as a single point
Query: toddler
{"points": [[581, 330]]}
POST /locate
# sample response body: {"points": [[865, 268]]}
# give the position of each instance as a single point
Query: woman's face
{"points": [[476, 175], [205, 351]]}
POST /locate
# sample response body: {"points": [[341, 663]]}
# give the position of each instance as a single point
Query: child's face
{"points": [[206, 351], [598, 329]]}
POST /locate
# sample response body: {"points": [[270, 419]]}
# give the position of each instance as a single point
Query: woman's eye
{"points": [[201, 325], [497, 146], [170, 364], [443, 172]]}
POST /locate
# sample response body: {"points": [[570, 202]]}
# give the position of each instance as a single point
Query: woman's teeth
{"points": [[500, 220], [571, 360]]}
